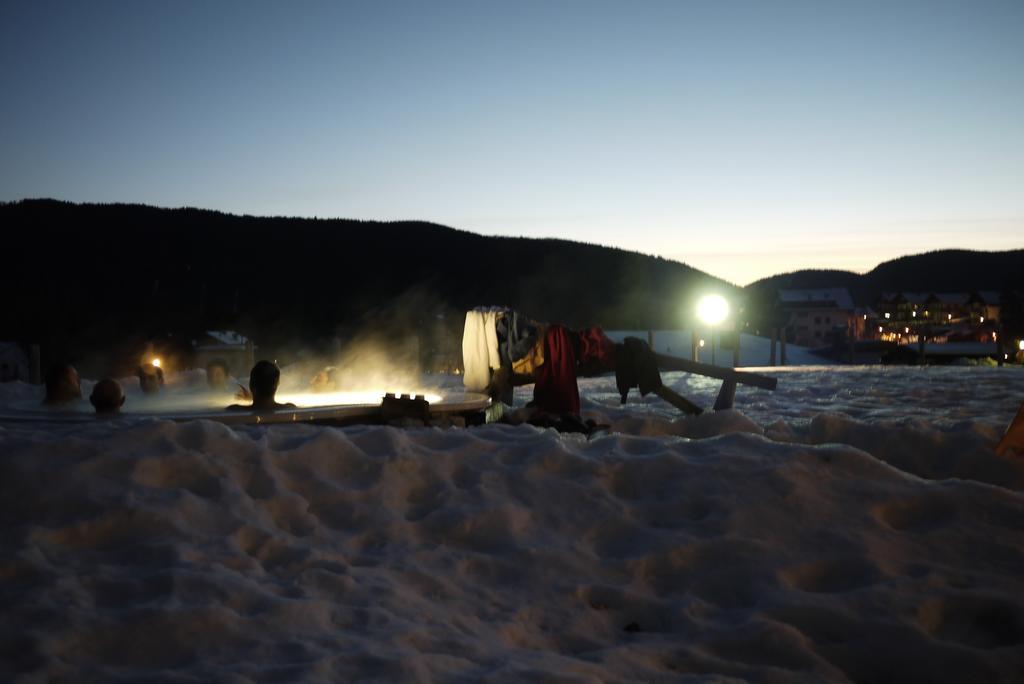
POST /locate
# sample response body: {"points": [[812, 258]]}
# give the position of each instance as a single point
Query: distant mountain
{"points": [[952, 270], [91, 274]]}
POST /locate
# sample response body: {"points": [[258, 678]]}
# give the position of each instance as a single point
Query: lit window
{"points": [[887, 314]]}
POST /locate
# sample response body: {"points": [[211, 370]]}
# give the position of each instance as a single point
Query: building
{"points": [[941, 308], [814, 317], [226, 345], [939, 317]]}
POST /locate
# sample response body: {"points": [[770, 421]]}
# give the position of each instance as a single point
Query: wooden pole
{"points": [[681, 403], [668, 362], [782, 346], [775, 339], [999, 346], [650, 339]]}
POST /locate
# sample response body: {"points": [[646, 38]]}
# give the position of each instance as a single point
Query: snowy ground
{"points": [[853, 526]]}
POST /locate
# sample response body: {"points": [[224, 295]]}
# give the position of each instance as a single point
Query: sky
{"points": [[742, 138]]}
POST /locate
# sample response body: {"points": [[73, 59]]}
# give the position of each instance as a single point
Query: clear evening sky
{"points": [[743, 138]]}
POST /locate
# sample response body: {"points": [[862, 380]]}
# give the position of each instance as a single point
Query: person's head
{"points": [[151, 378], [107, 396], [326, 380], [62, 384], [217, 374], [263, 381]]}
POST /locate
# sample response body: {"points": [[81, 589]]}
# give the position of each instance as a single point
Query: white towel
{"points": [[479, 349]]}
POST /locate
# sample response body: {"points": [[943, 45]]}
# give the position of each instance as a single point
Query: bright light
{"points": [[156, 362], [879, 328], [914, 314], [701, 343], [982, 319], [712, 309], [1020, 345], [906, 330], [949, 317], [887, 315]]}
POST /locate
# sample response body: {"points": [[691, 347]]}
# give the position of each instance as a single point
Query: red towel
{"points": [[555, 390]]}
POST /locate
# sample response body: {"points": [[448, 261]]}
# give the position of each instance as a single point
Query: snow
{"points": [[227, 337], [855, 525]]}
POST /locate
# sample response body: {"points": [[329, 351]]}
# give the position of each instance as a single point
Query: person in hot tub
{"points": [[217, 376], [107, 397], [62, 385], [151, 378], [263, 381]]}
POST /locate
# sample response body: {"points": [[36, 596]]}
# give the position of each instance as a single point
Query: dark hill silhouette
{"points": [[90, 275], [952, 270]]}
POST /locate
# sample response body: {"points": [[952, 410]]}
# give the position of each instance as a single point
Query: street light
{"points": [[712, 309]]}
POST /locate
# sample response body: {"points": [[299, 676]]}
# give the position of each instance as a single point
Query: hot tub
{"points": [[184, 404]]}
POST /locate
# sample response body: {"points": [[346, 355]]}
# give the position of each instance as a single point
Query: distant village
{"points": [[904, 327]]}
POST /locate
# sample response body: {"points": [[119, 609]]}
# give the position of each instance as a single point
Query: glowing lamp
{"points": [[701, 343], [981, 319], [887, 315], [949, 317], [712, 309], [1020, 345], [156, 362]]}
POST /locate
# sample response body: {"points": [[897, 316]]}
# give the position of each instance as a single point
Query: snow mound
{"points": [[193, 551]]}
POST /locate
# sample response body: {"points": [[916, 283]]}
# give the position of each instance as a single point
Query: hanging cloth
{"points": [[555, 390], [479, 349]]}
